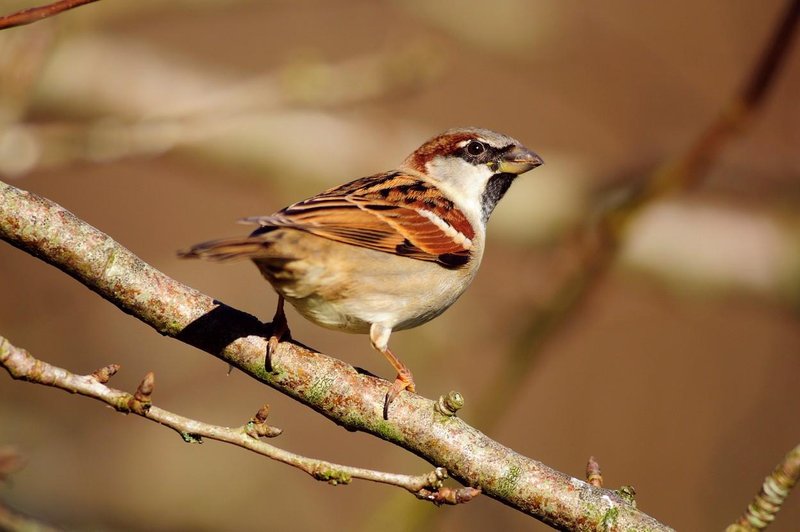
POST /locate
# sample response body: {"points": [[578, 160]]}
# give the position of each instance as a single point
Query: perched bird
{"points": [[386, 252]]}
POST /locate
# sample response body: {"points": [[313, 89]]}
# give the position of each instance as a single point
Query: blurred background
{"points": [[162, 123]]}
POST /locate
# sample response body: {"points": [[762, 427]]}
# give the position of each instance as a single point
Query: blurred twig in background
{"points": [[603, 237], [35, 14], [10, 463], [127, 113], [11, 520]]}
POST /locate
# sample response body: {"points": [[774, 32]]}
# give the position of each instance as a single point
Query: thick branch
{"points": [[327, 385], [35, 14]]}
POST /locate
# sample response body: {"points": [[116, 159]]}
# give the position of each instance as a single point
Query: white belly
{"points": [[348, 288]]}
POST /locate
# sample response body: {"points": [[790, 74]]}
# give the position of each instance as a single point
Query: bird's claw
{"points": [[404, 381]]}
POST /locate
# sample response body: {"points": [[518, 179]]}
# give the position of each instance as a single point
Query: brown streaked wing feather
{"points": [[381, 213]]}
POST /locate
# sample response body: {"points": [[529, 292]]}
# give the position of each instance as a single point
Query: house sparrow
{"points": [[386, 252]]}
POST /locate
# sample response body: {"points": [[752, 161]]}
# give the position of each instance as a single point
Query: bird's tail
{"points": [[227, 249]]}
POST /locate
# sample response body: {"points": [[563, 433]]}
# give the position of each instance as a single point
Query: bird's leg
{"points": [[280, 329], [379, 336]]}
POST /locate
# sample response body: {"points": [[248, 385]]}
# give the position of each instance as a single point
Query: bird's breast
{"points": [[348, 288]]}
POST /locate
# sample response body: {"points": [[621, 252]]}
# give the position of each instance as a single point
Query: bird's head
{"points": [[474, 166]]}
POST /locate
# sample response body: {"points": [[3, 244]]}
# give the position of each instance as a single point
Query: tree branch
{"points": [[776, 487], [35, 14], [329, 386], [22, 365]]}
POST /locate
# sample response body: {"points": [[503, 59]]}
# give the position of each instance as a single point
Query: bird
{"points": [[386, 252]]}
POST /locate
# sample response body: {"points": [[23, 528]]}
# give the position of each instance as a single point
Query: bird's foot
{"points": [[279, 332], [403, 381]]}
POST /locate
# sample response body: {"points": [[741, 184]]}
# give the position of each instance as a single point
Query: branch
{"points": [[329, 386], [776, 487], [35, 14], [22, 365]]}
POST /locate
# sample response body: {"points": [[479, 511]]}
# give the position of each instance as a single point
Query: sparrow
{"points": [[386, 252]]}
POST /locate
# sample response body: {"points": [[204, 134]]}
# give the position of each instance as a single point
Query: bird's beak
{"points": [[518, 160]]}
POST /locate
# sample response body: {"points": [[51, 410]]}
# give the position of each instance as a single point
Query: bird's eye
{"points": [[475, 147]]}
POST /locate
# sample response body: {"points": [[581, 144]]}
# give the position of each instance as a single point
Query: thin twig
{"points": [[35, 14], [22, 365], [330, 386], [776, 487]]}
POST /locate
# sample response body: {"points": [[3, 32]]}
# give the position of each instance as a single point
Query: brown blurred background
{"points": [[161, 123]]}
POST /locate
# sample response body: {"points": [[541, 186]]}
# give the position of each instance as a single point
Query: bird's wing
{"points": [[391, 212]]}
